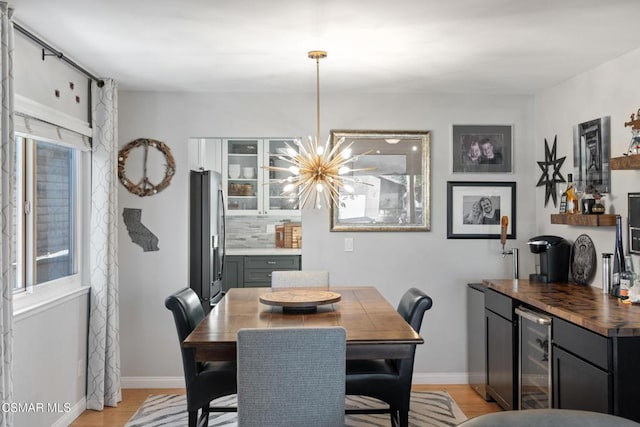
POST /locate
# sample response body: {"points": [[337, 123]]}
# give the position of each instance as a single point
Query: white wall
{"points": [[609, 90], [38, 80], [50, 343], [390, 261], [49, 361]]}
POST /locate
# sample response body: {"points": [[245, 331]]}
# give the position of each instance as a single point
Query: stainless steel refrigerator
{"points": [[206, 236]]}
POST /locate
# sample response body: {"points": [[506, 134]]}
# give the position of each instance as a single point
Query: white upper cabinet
{"points": [[250, 187], [205, 154]]}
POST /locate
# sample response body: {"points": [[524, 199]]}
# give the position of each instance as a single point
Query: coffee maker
{"points": [[552, 262]]}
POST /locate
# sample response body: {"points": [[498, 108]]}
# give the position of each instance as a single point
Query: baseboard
{"points": [[178, 382], [152, 382], [440, 378], [75, 412]]}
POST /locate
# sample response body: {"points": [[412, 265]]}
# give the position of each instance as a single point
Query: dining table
{"points": [[374, 329]]}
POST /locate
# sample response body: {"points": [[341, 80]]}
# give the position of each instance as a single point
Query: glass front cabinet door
{"points": [[251, 188], [276, 201]]}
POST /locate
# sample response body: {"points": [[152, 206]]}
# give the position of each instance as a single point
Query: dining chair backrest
{"points": [[204, 381], [187, 314], [412, 306], [299, 278], [291, 377], [389, 380]]}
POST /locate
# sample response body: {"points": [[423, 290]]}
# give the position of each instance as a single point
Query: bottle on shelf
{"points": [[572, 204], [627, 279], [618, 259]]}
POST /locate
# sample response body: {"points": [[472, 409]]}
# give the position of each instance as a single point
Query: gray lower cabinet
{"points": [[581, 369], [590, 371], [251, 271], [501, 335], [233, 272]]}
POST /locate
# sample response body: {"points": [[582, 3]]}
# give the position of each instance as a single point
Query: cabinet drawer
{"points": [[280, 262], [588, 345], [498, 303], [258, 275]]}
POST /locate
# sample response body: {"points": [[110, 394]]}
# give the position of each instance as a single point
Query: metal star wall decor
{"points": [[550, 181]]}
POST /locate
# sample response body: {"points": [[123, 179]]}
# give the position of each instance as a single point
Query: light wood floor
{"points": [[467, 399]]}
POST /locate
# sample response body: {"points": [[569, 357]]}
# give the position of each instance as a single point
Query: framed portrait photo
{"points": [[474, 209], [482, 148]]}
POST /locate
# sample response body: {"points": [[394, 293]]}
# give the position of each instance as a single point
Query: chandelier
{"points": [[317, 171]]}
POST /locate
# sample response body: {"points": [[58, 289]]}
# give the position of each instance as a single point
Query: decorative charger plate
{"points": [[299, 300], [583, 260]]}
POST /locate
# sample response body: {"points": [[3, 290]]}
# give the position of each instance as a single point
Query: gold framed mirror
{"points": [[392, 193]]}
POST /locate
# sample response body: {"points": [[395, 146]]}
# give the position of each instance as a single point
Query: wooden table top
{"points": [[374, 328], [582, 305]]}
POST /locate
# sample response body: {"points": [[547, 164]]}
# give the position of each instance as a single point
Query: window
{"points": [[48, 212]]}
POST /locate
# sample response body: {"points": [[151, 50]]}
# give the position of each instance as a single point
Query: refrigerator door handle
{"points": [[222, 245]]}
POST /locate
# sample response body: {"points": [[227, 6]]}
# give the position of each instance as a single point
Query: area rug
{"points": [[428, 408]]}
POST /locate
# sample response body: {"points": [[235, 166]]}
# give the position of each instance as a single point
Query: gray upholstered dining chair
{"points": [[204, 381], [390, 380], [291, 377], [548, 418], [299, 279]]}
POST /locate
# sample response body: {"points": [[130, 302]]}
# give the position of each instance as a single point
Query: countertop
{"points": [[262, 251], [579, 304]]}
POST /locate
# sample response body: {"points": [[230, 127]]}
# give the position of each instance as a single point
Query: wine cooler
{"points": [[535, 359]]}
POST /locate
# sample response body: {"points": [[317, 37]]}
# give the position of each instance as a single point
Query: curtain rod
{"points": [[57, 54]]}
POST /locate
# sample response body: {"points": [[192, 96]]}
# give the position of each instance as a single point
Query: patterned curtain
{"points": [[103, 373], [7, 159]]}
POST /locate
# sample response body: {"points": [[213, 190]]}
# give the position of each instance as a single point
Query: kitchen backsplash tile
{"points": [[251, 231]]}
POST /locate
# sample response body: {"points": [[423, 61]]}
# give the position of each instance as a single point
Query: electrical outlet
{"points": [[348, 244], [271, 228]]}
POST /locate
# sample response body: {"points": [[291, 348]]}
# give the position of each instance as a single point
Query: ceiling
{"points": [[402, 46]]}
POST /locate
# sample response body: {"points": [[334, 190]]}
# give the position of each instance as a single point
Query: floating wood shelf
{"points": [[604, 220], [625, 162]]}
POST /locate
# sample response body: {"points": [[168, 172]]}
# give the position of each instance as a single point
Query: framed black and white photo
{"points": [[591, 153], [474, 209], [482, 148]]}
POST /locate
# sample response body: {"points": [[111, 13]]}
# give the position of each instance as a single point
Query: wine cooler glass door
{"points": [[535, 359]]}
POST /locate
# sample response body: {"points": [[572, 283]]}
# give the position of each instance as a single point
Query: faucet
{"points": [[504, 222], [514, 252]]}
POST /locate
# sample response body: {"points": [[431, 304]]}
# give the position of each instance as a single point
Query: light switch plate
{"points": [[271, 228], [348, 244]]}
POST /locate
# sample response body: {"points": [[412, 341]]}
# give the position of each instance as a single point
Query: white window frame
{"points": [[35, 299]]}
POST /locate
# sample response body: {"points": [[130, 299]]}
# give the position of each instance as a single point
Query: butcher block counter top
{"points": [[582, 305]]}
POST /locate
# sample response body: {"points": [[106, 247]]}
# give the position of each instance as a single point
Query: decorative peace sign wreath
{"points": [[145, 187]]}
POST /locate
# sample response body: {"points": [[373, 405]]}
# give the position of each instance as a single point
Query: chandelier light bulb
{"points": [[346, 153], [294, 170], [348, 188], [319, 188], [291, 152], [320, 150], [344, 170]]}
